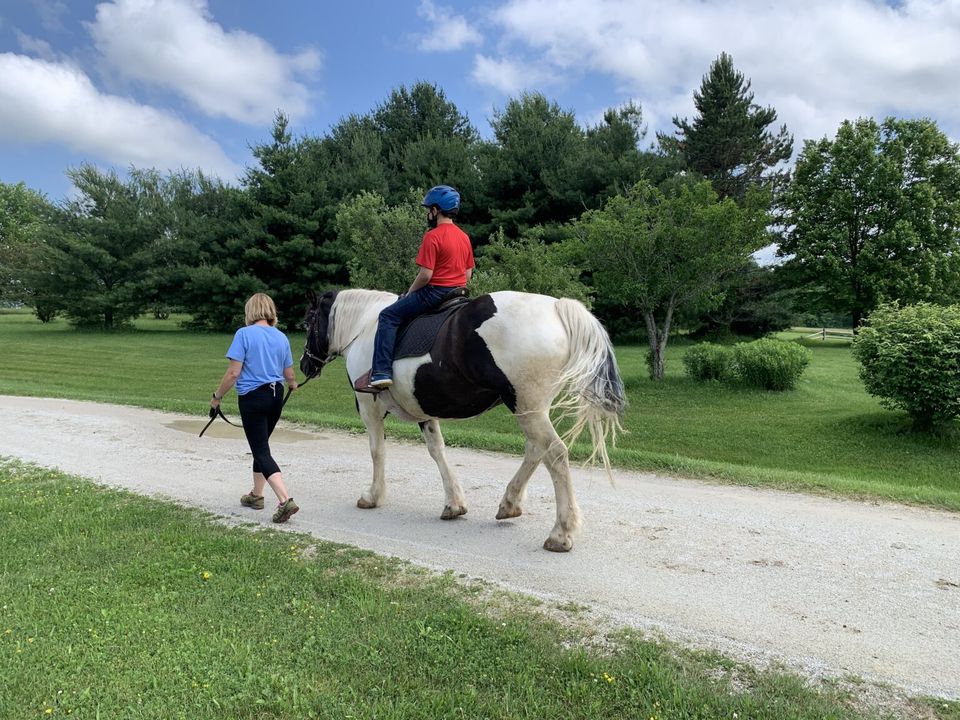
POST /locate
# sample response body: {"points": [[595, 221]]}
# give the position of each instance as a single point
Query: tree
{"points": [[426, 141], [285, 247], [529, 171], [874, 215], [527, 264], [657, 252], [757, 302], [207, 274], [111, 236], [25, 221], [611, 161], [383, 240], [728, 141]]}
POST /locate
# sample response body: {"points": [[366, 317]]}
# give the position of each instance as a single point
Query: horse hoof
{"points": [[556, 546], [365, 504], [450, 513], [505, 512]]}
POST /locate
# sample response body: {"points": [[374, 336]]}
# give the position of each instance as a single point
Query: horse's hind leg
{"points": [[372, 418], [511, 505], [541, 433], [455, 505]]}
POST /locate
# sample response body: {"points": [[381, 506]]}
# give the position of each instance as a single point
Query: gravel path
{"points": [[829, 587]]}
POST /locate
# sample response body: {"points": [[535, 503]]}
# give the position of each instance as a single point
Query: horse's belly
{"points": [[447, 396]]}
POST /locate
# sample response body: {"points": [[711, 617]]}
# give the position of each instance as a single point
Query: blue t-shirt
{"points": [[264, 352]]}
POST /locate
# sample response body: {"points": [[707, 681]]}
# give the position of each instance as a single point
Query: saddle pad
{"points": [[416, 337]]}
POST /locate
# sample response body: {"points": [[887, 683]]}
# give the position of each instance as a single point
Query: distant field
{"points": [[827, 435]]}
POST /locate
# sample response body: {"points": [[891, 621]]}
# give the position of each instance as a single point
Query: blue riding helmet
{"points": [[444, 197]]}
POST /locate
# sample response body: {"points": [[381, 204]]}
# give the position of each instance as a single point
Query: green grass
{"points": [[827, 435], [118, 606]]}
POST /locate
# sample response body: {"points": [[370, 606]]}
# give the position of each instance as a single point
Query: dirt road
{"points": [[831, 587]]}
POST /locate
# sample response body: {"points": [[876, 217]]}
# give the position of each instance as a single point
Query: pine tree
{"points": [[728, 141]]}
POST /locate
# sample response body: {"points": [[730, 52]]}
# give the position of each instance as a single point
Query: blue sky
{"points": [[192, 83]]}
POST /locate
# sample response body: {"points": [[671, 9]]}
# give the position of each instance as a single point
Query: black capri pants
{"points": [[260, 410]]}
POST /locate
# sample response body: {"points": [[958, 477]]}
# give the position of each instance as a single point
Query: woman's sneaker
{"points": [[285, 511], [252, 501]]}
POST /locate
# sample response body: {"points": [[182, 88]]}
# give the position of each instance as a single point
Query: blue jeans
{"points": [[407, 307]]}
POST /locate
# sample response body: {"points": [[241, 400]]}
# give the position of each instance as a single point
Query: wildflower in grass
{"points": [[205, 575], [608, 678]]}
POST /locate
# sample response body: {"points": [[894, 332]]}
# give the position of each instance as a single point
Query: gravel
{"points": [[831, 588]]}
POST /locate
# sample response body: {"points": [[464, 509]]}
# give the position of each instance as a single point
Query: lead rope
{"points": [[215, 413]]}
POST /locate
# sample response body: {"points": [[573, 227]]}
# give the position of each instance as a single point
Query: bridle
{"points": [[320, 362]]}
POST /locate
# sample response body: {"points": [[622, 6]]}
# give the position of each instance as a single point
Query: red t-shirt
{"points": [[447, 251]]}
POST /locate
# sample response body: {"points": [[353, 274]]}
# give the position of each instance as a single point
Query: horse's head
{"points": [[316, 350]]}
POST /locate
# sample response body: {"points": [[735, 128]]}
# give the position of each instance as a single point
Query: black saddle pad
{"points": [[416, 336]]}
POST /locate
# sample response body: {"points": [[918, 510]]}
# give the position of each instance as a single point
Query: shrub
{"points": [[770, 364], [708, 361], [910, 359]]}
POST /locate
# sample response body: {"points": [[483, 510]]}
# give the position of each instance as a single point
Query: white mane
{"points": [[352, 312]]}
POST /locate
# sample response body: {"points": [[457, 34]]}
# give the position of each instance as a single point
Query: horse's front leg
{"points": [[455, 504], [373, 419]]}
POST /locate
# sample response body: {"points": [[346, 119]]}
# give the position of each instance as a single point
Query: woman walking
{"points": [[260, 360]]}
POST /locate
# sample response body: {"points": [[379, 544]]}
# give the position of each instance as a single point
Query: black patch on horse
{"points": [[462, 380]]}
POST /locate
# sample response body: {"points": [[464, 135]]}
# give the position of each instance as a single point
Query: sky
{"points": [[174, 84]]}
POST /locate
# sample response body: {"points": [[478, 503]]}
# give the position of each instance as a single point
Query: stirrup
{"points": [[363, 384]]}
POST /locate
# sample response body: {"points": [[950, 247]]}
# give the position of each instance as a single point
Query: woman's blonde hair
{"points": [[260, 307]]}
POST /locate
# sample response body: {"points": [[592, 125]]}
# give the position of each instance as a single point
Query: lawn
{"points": [[827, 435], [119, 606]]}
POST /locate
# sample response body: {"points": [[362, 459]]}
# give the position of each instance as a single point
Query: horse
{"points": [[533, 353]]}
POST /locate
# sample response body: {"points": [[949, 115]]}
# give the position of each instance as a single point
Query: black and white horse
{"points": [[532, 353]]}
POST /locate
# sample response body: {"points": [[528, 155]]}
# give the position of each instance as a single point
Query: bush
{"points": [[708, 361], [770, 364], [910, 359]]}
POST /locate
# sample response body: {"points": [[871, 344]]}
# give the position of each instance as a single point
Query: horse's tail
{"points": [[591, 388]]}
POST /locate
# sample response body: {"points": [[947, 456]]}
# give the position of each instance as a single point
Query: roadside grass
{"points": [[828, 435], [118, 606]]}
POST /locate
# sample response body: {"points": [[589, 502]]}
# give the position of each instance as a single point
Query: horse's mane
{"points": [[352, 311]]}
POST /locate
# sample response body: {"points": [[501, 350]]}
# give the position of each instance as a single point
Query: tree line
{"points": [[655, 236]]}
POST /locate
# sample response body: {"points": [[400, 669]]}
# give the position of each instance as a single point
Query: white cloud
{"points": [[174, 44], [508, 76], [43, 102], [35, 46], [449, 32], [816, 62]]}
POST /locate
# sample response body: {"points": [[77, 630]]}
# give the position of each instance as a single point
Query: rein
{"points": [[215, 413]]}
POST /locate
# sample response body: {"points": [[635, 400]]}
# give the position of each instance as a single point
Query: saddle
{"points": [[416, 336]]}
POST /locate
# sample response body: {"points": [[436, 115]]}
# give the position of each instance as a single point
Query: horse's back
{"points": [[499, 348], [525, 324]]}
